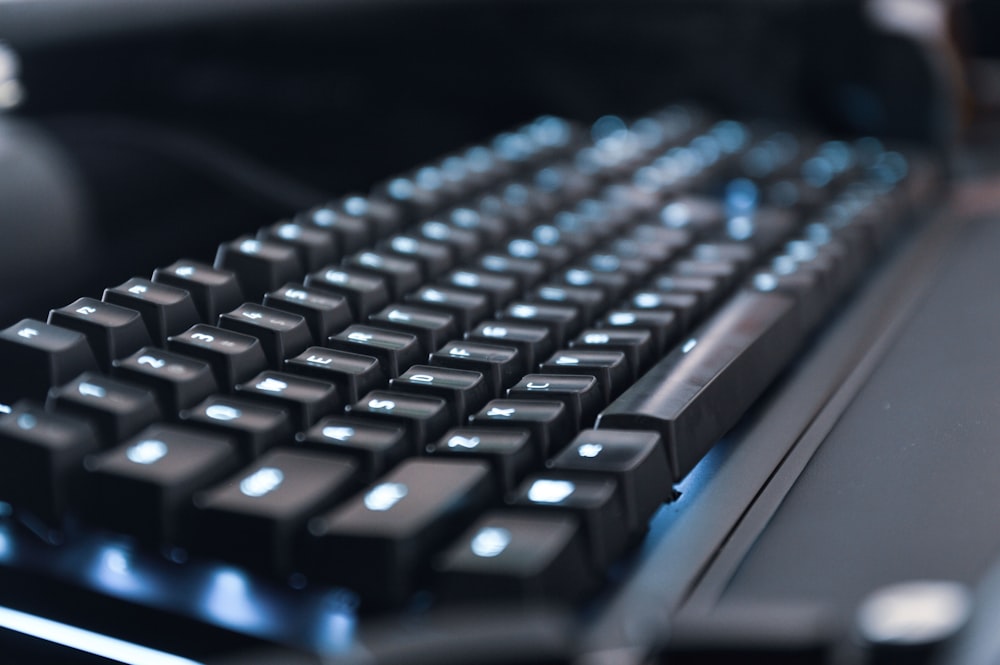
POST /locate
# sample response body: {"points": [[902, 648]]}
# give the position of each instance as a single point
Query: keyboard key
{"points": [[635, 343], [36, 356], [509, 451], [550, 423], [464, 391], [528, 272], [425, 418], [500, 365], [144, 487], [314, 248], [179, 382], [325, 314], [377, 541], [166, 310], [281, 334], [612, 284], [213, 291], [596, 501], [350, 232], [563, 321], [305, 400], [467, 307], [517, 555], [365, 293], [41, 458], [431, 328], [254, 427], [354, 374], [395, 350], [582, 394], [498, 289], [683, 305], [533, 342], [233, 357], [400, 275], [662, 325], [116, 409], [375, 446], [609, 368], [383, 217], [254, 517], [636, 459], [112, 332], [721, 370], [434, 258], [491, 229], [589, 301], [464, 244], [259, 266]]}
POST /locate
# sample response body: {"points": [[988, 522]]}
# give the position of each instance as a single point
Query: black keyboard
{"points": [[475, 386]]}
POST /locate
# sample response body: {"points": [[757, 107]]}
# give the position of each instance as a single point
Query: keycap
{"points": [[467, 307], [36, 356], [552, 257], [517, 555], [726, 272], [111, 331], [499, 289], [720, 370], [635, 343], [383, 217], [550, 422], [305, 400], [313, 247], [401, 275], [144, 487], [213, 291], [395, 350], [464, 391], [378, 540], [563, 321], [528, 272], [612, 284], [434, 258], [254, 517], [41, 457], [707, 289], [509, 451], [609, 368], [683, 305], [349, 231], [662, 325], [375, 446], [325, 314], [354, 374], [533, 342], [431, 328], [233, 357], [115, 408], [425, 418], [491, 228], [365, 293], [254, 427], [281, 334], [582, 394], [636, 459], [259, 266], [596, 501], [166, 310], [500, 365], [179, 382], [464, 244], [589, 301]]}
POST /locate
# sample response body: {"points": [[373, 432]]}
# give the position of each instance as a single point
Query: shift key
{"points": [[700, 390]]}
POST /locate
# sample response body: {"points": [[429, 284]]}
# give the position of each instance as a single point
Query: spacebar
{"points": [[699, 390]]}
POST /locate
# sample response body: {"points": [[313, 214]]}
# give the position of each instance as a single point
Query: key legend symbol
{"points": [[272, 385]]}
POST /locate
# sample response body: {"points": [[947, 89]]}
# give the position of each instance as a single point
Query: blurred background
{"points": [[132, 134]]}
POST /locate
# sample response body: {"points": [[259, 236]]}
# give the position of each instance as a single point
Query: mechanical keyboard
{"points": [[473, 387]]}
